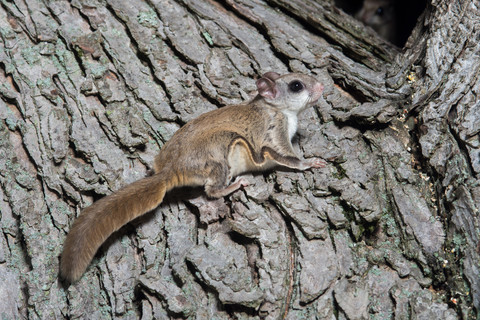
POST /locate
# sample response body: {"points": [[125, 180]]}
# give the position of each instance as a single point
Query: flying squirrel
{"points": [[208, 151], [381, 16]]}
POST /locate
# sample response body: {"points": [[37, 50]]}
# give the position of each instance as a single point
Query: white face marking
{"points": [[299, 101]]}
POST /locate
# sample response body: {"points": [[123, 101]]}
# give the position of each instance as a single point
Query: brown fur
{"points": [[208, 151]]}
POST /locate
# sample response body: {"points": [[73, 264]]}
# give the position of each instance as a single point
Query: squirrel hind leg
{"points": [[217, 183], [216, 192]]}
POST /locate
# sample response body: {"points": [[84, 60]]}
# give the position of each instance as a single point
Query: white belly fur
{"points": [[292, 121]]}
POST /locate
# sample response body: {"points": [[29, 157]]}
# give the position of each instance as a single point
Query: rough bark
{"points": [[90, 90]]}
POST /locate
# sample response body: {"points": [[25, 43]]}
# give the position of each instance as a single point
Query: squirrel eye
{"points": [[295, 86], [379, 11]]}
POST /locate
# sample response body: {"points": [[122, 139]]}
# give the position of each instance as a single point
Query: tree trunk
{"points": [[91, 90]]}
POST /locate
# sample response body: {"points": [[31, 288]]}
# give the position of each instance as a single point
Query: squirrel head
{"points": [[291, 92]]}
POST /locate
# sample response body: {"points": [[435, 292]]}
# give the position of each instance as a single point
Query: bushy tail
{"points": [[97, 222]]}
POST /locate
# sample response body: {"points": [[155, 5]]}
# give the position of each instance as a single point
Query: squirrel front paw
{"points": [[314, 163]]}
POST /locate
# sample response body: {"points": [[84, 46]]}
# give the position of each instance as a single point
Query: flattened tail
{"points": [[97, 222]]}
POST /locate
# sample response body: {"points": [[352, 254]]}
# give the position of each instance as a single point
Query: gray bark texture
{"points": [[90, 91]]}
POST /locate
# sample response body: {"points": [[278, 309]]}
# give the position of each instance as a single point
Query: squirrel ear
{"points": [[271, 75], [267, 88]]}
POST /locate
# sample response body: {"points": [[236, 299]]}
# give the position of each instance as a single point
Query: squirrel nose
{"points": [[318, 87], [317, 91]]}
